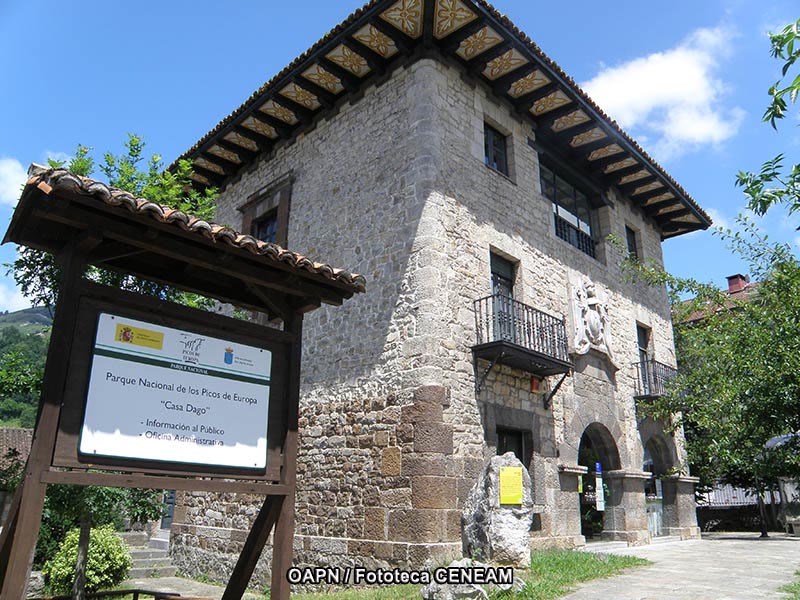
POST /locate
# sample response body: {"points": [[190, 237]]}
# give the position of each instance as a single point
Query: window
{"points": [[502, 276], [645, 371], [572, 211], [494, 144], [630, 237], [503, 298], [266, 228], [265, 215], [643, 340], [516, 441]]}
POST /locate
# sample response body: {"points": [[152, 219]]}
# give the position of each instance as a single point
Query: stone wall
{"points": [[481, 211], [392, 434], [361, 181]]}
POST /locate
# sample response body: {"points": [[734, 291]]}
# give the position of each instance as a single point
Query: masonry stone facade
{"points": [[392, 431]]}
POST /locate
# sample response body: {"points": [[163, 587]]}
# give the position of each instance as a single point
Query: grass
{"points": [[553, 574], [793, 589]]}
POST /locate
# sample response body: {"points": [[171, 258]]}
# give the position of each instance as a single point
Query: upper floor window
{"points": [[572, 211], [495, 149], [502, 276], [265, 216], [265, 228], [630, 238]]}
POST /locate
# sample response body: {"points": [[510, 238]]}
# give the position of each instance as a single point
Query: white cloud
{"points": [[12, 178], [58, 156], [674, 97], [11, 299], [719, 219]]}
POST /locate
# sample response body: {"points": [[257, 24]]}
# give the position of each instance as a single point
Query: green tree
{"points": [[739, 365], [777, 183], [37, 273]]}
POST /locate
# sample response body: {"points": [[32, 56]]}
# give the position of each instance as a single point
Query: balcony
{"points": [[653, 378], [515, 334]]}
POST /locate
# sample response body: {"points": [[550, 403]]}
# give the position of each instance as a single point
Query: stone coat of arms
{"points": [[592, 323]]}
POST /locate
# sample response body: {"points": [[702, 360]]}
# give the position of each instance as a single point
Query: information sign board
{"points": [[510, 485], [163, 394]]}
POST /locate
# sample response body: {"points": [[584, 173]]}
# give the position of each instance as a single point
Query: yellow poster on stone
{"points": [[510, 485]]}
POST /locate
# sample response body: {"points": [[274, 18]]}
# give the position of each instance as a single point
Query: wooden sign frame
{"points": [[95, 299], [83, 222], [55, 443]]}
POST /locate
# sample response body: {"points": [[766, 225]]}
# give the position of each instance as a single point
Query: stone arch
{"points": [[662, 448], [604, 444], [658, 459], [597, 445], [605, 427]]}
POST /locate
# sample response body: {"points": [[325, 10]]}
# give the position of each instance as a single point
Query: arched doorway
{"points": [[597, 447], [657, 461]]}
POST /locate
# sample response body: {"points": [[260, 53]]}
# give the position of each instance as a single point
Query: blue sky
{"points": [[687, 79]]}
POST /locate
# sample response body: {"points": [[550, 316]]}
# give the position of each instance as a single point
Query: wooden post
{"points": [[256, 539], [23, 541], [277, 511], [283, 541]]}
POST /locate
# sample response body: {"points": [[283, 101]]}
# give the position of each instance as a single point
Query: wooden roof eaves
{"points": [[502, 24], [487, 15]]}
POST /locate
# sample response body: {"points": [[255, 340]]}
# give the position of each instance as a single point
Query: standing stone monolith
{"points": [[494, 532]]}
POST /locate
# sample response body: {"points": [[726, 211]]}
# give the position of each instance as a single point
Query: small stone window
{"points": [[516, 441], [265, 228], [632, 240], [495, 149], [265, 216]]}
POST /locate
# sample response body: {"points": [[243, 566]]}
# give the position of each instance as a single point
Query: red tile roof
{"points": [[49, 179]]}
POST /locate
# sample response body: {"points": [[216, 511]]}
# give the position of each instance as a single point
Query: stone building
{"points": [[432, 146]]}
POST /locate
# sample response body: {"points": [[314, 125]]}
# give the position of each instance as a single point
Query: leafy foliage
{"points": [[776, 183], [739, 365], [62, 511], [142, 506], [37, 273], [108, 564], [22, 358], [11, 470]]}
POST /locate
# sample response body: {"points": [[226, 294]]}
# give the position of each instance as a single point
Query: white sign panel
{"points": [[600, 494], [157, 393]]}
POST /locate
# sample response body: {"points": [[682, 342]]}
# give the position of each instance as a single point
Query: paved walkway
{"points": [[721, 566], [184, 587]]}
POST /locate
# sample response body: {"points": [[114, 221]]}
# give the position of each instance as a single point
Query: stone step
{"points": [[149, 572], [161, 534], [665, 539], [158, 544], [147, 552], [134, 538], [604, 547], [152, 563]]}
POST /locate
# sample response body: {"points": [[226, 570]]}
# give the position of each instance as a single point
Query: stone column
{"points": [[680, 510], [563, 529], [625, 517]]}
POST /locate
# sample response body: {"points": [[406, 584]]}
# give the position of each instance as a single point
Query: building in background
{"points": [[432, 146]]}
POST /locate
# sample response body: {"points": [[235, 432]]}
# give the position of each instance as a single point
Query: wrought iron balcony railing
{"points": [[653, 378], [500, 318]]}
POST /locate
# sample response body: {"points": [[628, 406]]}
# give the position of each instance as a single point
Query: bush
{"points": [[108, 564]]}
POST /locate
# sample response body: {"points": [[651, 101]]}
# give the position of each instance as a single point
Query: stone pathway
{"points": [[734, 566], [184, 587]]}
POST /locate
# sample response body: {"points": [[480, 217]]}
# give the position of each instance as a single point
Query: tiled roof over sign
{"points": [[386, 34], [48, 180]]}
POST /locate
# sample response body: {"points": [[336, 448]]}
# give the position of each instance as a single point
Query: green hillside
{"points": [[29, 320], [24, 336]]}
